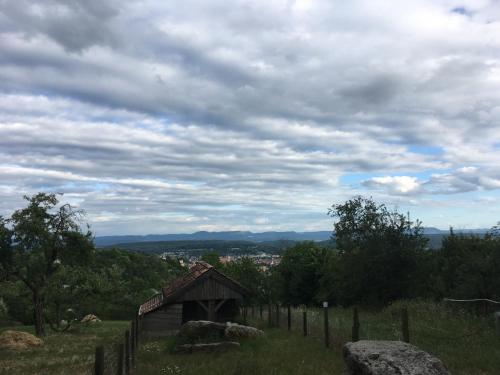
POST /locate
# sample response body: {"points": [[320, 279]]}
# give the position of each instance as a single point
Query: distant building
{"points": [[202, 294]]}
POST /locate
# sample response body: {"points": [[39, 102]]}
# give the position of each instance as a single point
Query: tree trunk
{"points": [[39, 322]]}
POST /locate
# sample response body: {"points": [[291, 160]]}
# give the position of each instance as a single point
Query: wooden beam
{"points": [[211, 310], [202, 305], [219, 305]]}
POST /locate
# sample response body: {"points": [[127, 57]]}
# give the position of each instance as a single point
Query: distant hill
{"points": [[216, 236], [435, 236]]}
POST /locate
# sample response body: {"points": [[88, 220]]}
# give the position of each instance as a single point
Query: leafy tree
{"points": [[247, 273], [35, 241], [379, 251], [302, 276], [212, 258], [468, 266]]}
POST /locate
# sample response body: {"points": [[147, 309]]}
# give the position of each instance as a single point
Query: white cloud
{"points": [[212, 110]]}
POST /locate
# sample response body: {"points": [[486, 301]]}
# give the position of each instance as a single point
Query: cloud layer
{"points": [[179, 116]]}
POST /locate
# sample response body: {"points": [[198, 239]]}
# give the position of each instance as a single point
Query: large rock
{"points": [[235, 331], [206, 348], [90, 318], [390, 358], [202, 331], [17, 340]]}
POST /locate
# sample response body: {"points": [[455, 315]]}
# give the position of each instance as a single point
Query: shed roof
{"points": [[178, 286]]}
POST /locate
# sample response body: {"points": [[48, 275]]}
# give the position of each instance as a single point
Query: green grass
{"points": [[468, 345], [62, 353], [278, 353]]}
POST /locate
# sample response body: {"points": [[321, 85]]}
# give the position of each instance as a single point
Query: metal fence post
{"points": [[327, 326]]}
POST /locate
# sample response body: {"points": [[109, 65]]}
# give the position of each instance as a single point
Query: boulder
{"points": [[206, 348], [90, 318], [202, 331], [17, 340], [390, 358], [235, 331]]}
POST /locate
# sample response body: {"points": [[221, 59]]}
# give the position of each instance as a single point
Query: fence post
{"points": [[278, 315], [99, 360], [497, 322], [269, 318], [127, 352], [304, 321], [289, 317], [327, 326], [355, 325], [404, 324], [121, 359]]}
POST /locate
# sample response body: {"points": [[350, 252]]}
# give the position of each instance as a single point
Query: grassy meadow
{"points": [[468, 345], [62, 353]]}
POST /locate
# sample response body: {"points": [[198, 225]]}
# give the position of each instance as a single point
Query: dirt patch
{"points": [[16, 340]]}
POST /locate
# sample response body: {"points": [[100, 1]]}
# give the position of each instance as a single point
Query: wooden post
{"points": [[132, 343], [121, 360], [137, 331], [277, 315], [404, 324], [497, 322], [211, 310], [127, 352], [304, 321], [99, 360], [327, 326], [289, 317], [261, 312], [355, 325], [269, 317]]}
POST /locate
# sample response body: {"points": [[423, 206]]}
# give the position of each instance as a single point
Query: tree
{"points": [[35, 241], [302, 275], [379, 252], [247, 273], [212, 258]]}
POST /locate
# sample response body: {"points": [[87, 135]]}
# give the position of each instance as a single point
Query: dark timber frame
{"points": [[202, 294]]}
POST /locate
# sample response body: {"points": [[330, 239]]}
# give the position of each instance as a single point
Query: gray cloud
{"points": [[194, 115]]}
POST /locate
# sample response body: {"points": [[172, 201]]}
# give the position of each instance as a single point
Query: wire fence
{"points": [[415, 323], [118, 358]]}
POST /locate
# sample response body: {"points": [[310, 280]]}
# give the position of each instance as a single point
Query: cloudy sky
{"points": [[176, 116]]}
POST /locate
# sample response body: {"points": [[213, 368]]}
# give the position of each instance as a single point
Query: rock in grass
{"points": [[390, 358], [17, 340], [235, 331], [90, 318], [202, 331], [206, 348]]}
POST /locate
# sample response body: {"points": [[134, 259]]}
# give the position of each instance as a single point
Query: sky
{"points": [[178, 116]]}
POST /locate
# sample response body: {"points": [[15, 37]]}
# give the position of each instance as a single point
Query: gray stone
{"points": [[390, 358], [201, 331], [206, 348], [235, 331]]}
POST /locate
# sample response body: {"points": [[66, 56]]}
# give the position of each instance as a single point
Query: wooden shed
{"points": [[202, 294]]}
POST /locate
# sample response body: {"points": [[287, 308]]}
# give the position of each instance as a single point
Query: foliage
{"points": [[468, 267], [36, 240], [247, 273], [379, 252], [212, 258], [304, 272]]}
